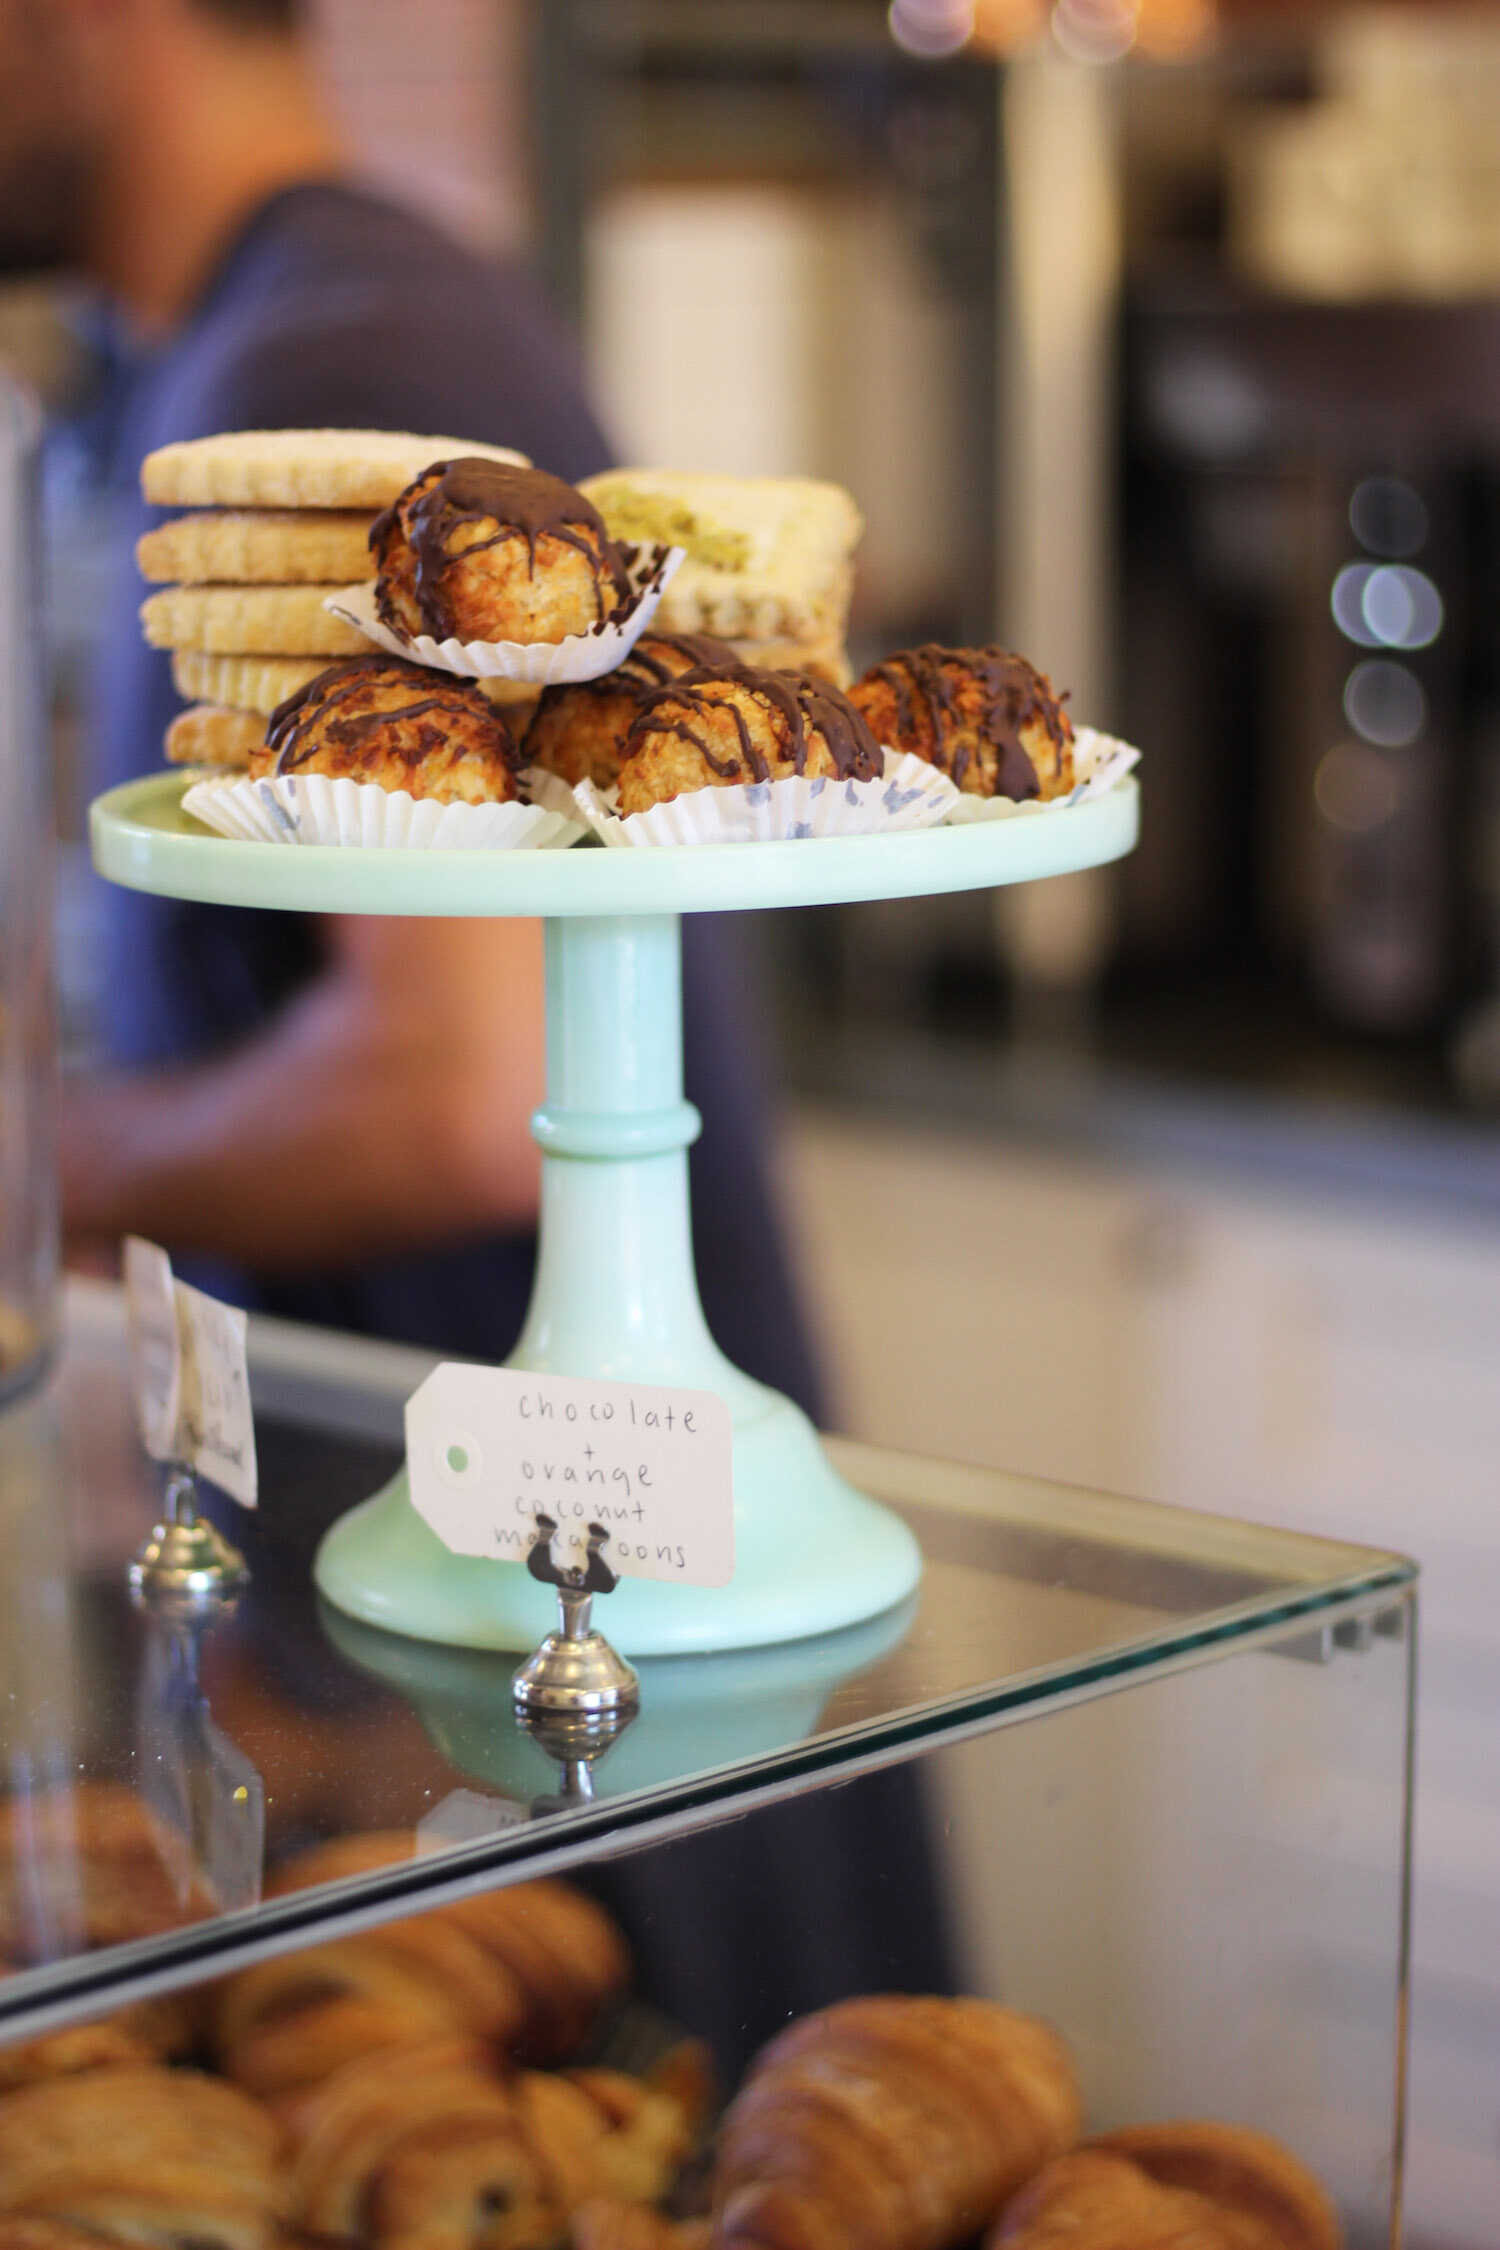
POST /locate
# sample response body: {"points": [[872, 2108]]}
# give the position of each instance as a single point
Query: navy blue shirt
{"points": [[336, 309]]}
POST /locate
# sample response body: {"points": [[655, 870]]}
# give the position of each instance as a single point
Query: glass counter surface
{"points": [[283, 1723]]}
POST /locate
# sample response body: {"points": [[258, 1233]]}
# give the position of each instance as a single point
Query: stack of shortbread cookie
{"points": [[770, 560], [281, 519]]}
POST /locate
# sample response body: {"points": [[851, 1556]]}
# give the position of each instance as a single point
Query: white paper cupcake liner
{"points": [[310, 808], [1100, 761], [582, 656], [912, 794]]}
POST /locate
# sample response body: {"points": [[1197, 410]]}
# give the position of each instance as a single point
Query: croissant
{"points": [[1198, 2186], [546, 1958], [149, 2031], [890, 2123], [604, 2225], [420, 2146], [18, 2233], [287, 2023], [685, 2072], [425, 2147], [150, 2157], [599, 2132], [87, 1866]]}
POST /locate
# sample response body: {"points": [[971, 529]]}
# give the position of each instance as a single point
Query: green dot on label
{"points": [[458, 1460]]}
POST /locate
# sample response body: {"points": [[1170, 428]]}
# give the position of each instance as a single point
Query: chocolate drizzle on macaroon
{"points": [[804, 707], [644, 669], [526, 504], [580, 727], [314, 719], [928, 683]]}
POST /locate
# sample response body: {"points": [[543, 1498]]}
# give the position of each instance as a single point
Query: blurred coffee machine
{"points": [[1313, 438], [28, 1054]]}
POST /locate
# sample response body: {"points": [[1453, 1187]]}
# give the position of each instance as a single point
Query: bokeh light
{"points": [[1385, 702], [1091, 31], [1388, 517], [1095, 31], [1356, 788], [931, 28], [1386, 605]]}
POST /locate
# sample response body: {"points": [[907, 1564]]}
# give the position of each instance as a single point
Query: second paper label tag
{"points": [[190, 1373], [489, 1450]]}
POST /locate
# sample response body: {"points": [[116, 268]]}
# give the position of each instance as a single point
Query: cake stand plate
{"points": [[615, 1293]]}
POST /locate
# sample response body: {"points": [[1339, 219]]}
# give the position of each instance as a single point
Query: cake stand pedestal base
{"points": [[616, 1298]]}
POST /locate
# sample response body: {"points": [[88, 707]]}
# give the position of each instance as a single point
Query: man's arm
{"points": [[387, 1107]]}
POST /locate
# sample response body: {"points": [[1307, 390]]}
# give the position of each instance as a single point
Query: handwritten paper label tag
{"points": [[155, 1362], [192, 1375], [214, 1419], [489, 1449]]}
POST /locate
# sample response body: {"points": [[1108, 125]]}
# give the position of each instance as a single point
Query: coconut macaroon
{"points": [[478, 550], [987, 718], [399, 725], [579, 730], [712, 729]]}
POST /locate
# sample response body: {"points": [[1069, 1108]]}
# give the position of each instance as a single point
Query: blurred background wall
{"points": [[1160, 339]]}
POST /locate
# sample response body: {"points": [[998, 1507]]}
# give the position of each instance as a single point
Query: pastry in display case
{"points": [[1217, 2186], [423, 2082], [1065, 1905]]}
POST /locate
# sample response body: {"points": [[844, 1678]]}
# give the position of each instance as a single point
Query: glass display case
{"points": [[1139, 1772], [28, 1049]]}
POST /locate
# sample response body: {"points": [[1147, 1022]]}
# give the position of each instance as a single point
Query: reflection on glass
{"points": [[697, 1713], [206, 1796]]}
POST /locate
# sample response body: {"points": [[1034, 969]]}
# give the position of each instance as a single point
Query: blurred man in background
{"points": [[332, 1115], [328, 1118]]}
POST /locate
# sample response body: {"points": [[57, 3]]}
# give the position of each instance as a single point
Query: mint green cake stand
{"points": [[615, 1293]]}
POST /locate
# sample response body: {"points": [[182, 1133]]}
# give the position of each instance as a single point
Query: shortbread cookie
{"points": [[299, 468], [768, 558], [245, 683], [260, 547], [250, 621], [208, 735]]}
